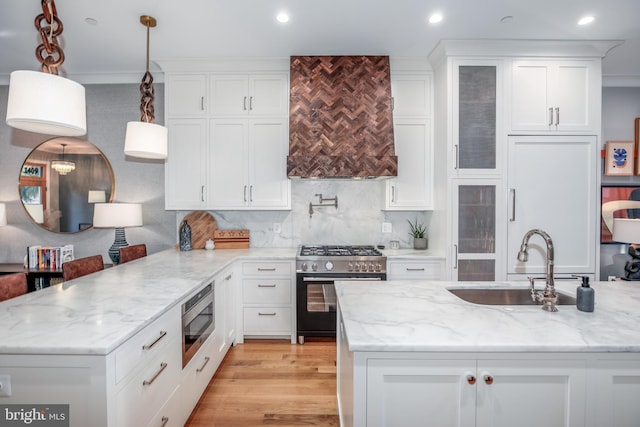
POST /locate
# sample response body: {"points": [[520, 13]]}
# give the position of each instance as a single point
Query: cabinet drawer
{"points": [[170, 415], [266, 291], [267, 268], [146, 392], [267, 320], [425, 270], [150, 341]]}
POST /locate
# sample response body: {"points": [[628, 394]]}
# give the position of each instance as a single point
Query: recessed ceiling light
{"points": [[585, 20], [283, 17], [435, 18]]}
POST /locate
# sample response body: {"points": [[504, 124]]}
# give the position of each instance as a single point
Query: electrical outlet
{"points": [[277, 228], [5, 385], [387, 227]]}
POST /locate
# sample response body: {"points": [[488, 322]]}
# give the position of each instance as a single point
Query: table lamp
{"points": [[118, 216], [626, 230]]}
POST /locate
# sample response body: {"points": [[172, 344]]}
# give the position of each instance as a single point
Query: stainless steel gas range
{"points": [[317, 268]]}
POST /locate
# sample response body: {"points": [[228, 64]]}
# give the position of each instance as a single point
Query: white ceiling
{"points": [[113, 49]]}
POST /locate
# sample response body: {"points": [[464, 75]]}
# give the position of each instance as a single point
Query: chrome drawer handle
{"points": [[201, 368], [148, 346], [266, 314], [165, 420], [163, 366], [266, 269], [415, 269], [266, 286], [228, 277]]}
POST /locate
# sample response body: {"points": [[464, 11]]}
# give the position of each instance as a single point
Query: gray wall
{"points": [[109, 108]]}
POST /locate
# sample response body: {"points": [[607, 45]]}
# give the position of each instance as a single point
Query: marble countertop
{"points": [[425, 316], [96, 313]]}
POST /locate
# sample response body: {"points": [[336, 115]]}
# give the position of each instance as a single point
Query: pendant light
{"points": [[62, 166], [145, 139], [45, 102]]}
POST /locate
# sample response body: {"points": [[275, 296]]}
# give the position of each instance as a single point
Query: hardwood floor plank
{"points": [[272, 383]]}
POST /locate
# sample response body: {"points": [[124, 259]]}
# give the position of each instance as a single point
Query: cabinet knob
{"points": [[471, 379], [488, 379]]}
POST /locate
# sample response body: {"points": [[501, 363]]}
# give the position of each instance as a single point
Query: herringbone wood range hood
{"points": [[341, 123]]}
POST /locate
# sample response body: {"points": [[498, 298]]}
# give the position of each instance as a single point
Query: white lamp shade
{"points": [[146, 140], [36, 212], [97, 196], [626, 230], [117, 215], [46, 103], [3, 214]]}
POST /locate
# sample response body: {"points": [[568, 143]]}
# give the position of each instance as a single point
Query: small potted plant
{"points": [[418, 232]]}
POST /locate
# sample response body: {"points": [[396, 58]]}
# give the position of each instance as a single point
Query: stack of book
{"points": [[48, 257]]}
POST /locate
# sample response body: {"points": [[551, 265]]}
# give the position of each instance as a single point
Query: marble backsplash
{"points": [[357, 220]]}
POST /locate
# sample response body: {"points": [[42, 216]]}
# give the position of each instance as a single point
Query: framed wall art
{"points": [[619, 159], [636, 128], [617, 202]]}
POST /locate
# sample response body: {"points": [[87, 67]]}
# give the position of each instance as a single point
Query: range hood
{"points": [[340, 118]]}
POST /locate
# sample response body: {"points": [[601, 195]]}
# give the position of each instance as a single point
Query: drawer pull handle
{"points": [[163, 366], [415, 269], [165, 420], [471, 379], [148, 346], [267, 269], [201, 368], [266, 286], [228, 277], [266, 314], [488, 379]]}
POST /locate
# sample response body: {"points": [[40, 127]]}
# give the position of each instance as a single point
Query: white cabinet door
{"points": [[552, 182], [228, 162], [531, 393], [269, 186], [230, 290], [415, 393], [412, 189], [249, 94], [185, 95], [615, 394], [411, 94], [185, 169], [555, 95]]}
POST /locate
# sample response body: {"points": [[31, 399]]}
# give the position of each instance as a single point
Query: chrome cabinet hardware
{"points": [[512, 192], [244, 104], [202, 103], [165, 420], [415, 269], [266, 286], [149, 346], [163, 366], [266, 314], [206, 360]]}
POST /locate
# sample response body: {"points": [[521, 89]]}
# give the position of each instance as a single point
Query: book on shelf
{"points": [[48, 257]]}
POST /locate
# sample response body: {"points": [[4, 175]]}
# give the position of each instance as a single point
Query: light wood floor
{"points": [[275, 383]]}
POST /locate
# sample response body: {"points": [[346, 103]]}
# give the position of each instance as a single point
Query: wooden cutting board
{"points": [[203, 226]]}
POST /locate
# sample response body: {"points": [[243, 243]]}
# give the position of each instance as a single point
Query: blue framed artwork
{"points": [[619, 158]]}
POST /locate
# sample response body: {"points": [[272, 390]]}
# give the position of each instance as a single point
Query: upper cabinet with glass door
{"points": [[477, 93]]}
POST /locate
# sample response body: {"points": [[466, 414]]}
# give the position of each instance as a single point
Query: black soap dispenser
{"points": [[585, 296]]}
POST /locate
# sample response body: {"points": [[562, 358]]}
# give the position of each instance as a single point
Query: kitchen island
{"points": [[411, 351]]}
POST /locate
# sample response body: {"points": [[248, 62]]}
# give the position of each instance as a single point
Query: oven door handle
{"points": [[342, 279]]}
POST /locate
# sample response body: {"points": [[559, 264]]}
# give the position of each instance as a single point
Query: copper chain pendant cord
{"points": [[146, 87], [49, 53]]}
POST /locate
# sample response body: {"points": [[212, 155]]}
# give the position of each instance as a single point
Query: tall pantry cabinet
{"points": [[516, 149]]}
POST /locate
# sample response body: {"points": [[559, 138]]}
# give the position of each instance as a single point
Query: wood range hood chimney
{"points": [[340, 119]]}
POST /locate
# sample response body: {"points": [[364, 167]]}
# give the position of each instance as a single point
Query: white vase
{"points": [[420, 243]]}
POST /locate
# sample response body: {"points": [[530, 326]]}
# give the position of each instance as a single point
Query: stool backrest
{"points": [[12, 285], [81, 267], [129, 253]]}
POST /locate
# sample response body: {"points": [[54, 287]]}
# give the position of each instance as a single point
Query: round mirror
{"points": [[60, 181]]}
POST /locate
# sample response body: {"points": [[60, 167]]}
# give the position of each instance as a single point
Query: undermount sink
{"points": [[505, 296]]}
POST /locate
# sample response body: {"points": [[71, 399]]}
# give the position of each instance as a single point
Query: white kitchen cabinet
{"points": [[186, 169], [248, 164], [268, 298], [552, 186], [227, 279], [615, 394], [412, 189], [185, 95], [555, 95], [415, 269], [256, 95]]}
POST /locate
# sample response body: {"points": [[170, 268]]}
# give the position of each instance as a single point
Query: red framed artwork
{"points": [[613, 194]]}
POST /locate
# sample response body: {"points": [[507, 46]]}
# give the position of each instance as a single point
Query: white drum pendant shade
{"points": [[46, 103], [146, 140]]}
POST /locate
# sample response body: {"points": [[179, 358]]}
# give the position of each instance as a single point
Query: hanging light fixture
{"points": [[45, 102], [62, 166], [146, 139]]}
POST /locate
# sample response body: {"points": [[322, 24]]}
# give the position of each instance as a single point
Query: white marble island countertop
{"points": [[96, 313], [425, 316]]}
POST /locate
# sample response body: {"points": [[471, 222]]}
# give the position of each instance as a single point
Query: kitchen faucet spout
{"points": [[549, 297]]}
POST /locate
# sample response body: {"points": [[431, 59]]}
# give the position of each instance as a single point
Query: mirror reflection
{"points": [[61, 179]]}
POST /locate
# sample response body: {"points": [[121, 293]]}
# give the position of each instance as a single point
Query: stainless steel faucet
{"points": [[549, 298]]}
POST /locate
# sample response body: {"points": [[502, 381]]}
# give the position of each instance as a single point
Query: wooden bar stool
{"points": [[129, 253], [12, 285], [81, 267]]}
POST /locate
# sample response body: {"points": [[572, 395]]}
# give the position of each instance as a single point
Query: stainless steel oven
{"points": [[317, 269], [198, 321]]}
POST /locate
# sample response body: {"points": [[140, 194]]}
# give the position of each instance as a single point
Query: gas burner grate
{"points": [[338, 250]]}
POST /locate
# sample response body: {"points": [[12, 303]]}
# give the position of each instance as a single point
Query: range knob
{"points": [[314, 266], [328, 265], [372, 266], [356, 267], [350, 267], [304, 266]]}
